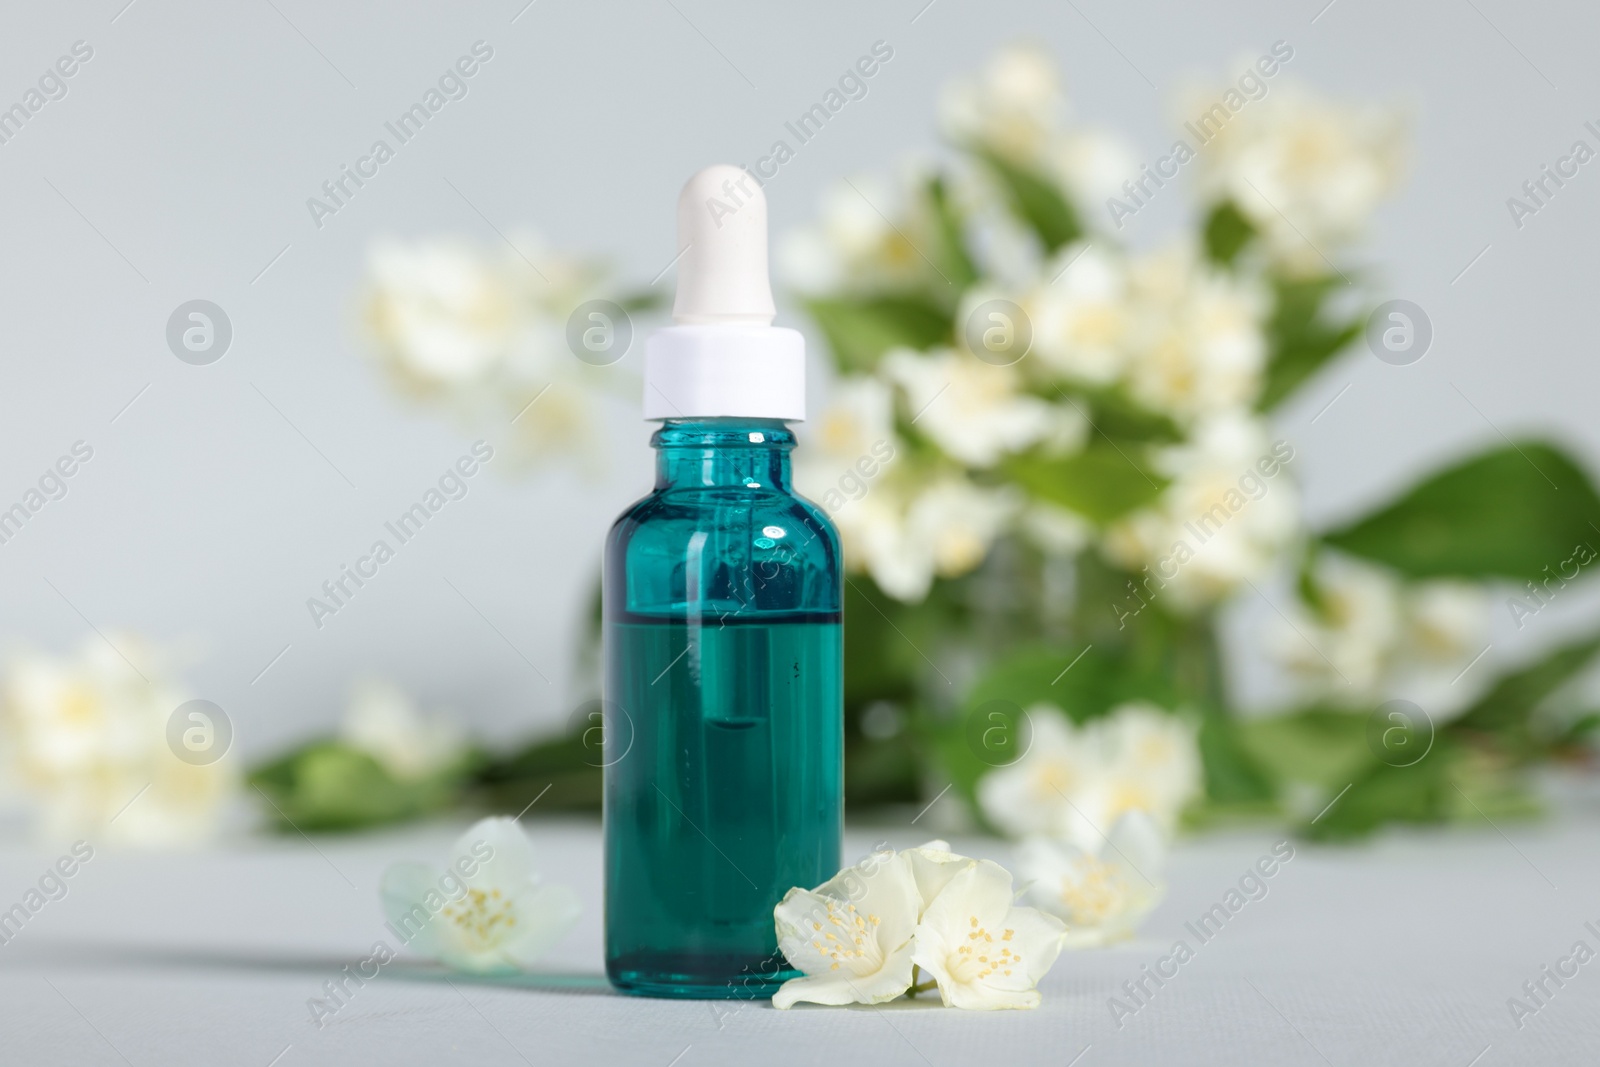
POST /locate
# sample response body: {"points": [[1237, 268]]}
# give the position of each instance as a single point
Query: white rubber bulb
{"points": [[722, 237]]}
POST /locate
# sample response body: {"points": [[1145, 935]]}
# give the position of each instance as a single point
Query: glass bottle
{"points": [[724, 733]]}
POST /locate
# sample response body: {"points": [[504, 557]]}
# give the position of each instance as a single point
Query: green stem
{"points": [[922, 987]]}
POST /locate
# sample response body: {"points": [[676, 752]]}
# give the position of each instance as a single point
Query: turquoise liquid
{"points": [[724, 739], [727, 801]]}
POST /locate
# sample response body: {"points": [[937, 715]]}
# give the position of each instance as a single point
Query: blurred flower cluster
{"points": [[1076, 780], [994, 333], [85, 744], [482, 334], [1053, 448], [1370, 636], [1051, 438], [1096, 805], [1307, 172]]}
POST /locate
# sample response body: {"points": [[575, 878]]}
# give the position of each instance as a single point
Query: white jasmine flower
{"points": [[1197, 339], [850, 446], [1445, 627], [860, 413], [1221, 522], [984, 951], [1343, 650], [955, 522], [1056, 530], [1308, 172], [86, 744], [1004, 249], [1035, 794], [447, 313], [1082, 322], [899, 525], [870, 233], [1014, 106], [1376, 637], [974, 410], [808, 262], [876, 540], [483, 332], [1446, 620], [382, 721], [851, 935], [1093, 164], [1076, 781], [488, 911], [1153, 765], [905, 537], [440, 311], [1102, 894], [857, 935]]}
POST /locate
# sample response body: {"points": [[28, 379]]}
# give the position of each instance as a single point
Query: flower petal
{"points": [[982, 890], [545, 915], [1043, 862], [854, 923], [498, 851], [889, 982], [509, 934], [1135, 841], [1042, 934], [932, 867], [983, 952], [974, 998], [934, 950]]}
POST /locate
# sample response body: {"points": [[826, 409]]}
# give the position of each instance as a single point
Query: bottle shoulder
{"points": [[724, 549], [675, 516]]}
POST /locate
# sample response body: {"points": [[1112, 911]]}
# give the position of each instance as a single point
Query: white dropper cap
{"points": [[722, 357]]}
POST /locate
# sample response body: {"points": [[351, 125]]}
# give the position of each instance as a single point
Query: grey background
{"points": [[193, 138]]}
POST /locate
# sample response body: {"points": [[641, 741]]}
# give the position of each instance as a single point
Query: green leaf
{"points": [[329, 785], [561, 772], [1578, 731], [1299, 341], [1327, 747], [1037, 201], [1233, 776], [1420, 793], [950, 250], [1103, 482], [1469, 773], [1506, 710], [641, 301], [881, 772], [860, 330], [1084, 686], [1186, 650], [1507, 513], [1117, 416], [879, 663], [884, 641], [1452, 783], [1226, 233]]}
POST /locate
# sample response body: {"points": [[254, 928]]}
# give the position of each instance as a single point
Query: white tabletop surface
{"points": [[1404, 951]]}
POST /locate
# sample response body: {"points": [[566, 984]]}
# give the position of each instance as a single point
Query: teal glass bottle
{"points": [[723, 686]]}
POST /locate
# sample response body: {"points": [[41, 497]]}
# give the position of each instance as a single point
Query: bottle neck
{"points": [[723, 452]]}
